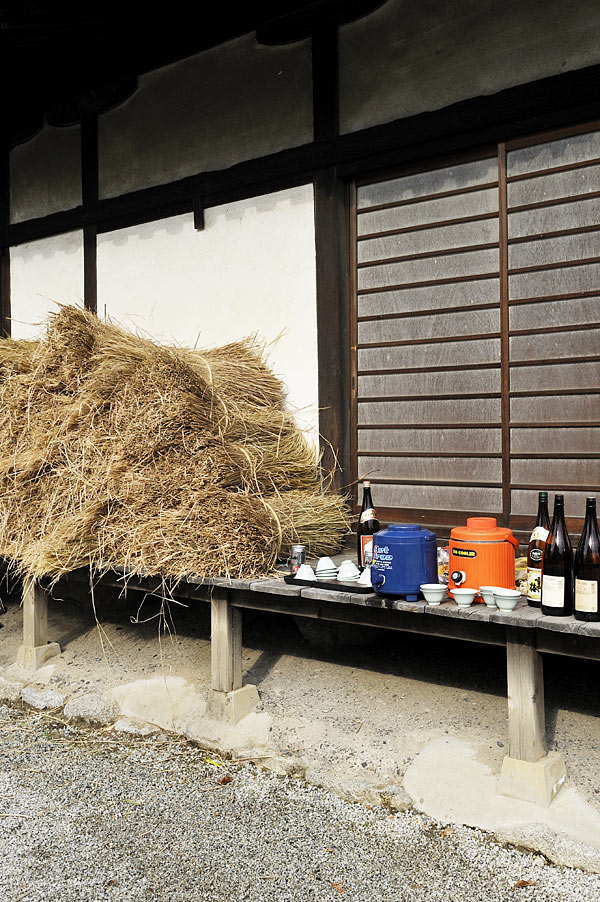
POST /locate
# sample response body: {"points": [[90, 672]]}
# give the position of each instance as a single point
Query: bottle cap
{"points": [[366, 483], [559, 499], [543, 496]]}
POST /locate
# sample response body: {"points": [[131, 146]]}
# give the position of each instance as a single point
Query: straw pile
{"points": [[115, 450]]}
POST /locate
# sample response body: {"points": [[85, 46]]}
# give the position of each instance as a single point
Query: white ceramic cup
{"points": [[506, 599], [348, 570], [464, 596], [305, 571], [487, 593], [433, 592]]}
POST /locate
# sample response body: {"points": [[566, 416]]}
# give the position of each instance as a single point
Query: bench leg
{"points": [[36, 649], [228, 700], [529, 772]]}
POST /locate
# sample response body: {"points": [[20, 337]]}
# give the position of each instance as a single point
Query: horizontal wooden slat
{"points": [[437, 454], [551, 186], [567, 312], [425, 328], [430, 441], [582, 214], [391, 222], [576, 358], [430, 183], [421, 412], [430, 282], [442, 240], [578, 408], [554, 345], [436, 354], [558, 265], [430, 297], [564, 249], [439, 312], [481, 264], [571, 375], [576, 440], [551, 170], [563, 472], [429, 383], [462, 396], [450, 498], [574, 149], [553, 202], [525, 501], [447, 470]]}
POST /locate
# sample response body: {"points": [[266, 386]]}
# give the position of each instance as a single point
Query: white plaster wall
{"points": [[407, 57], [252, 270], [45, 173], [44, 274], [230, 103]]}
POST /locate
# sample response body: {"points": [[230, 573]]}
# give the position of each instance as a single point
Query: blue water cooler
{"points": [[404, 557]]}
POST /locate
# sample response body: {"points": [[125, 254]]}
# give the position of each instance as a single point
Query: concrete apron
{"points": [[446, 778]]}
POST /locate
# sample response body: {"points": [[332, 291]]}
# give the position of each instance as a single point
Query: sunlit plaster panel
{"points": [[234, 102], [44, 274], [251, 270]]}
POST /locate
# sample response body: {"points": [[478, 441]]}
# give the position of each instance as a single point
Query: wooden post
{"points": [[226, 643], [36, 649], [529, 772], [228, 700], [526, 715]]}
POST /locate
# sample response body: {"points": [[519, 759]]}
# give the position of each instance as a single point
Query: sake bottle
{"points": [[557, 566], [368, 525], [587, 566], [535, 552]]}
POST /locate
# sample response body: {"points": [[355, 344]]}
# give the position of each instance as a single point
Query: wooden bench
{"points": [[528, 772]]}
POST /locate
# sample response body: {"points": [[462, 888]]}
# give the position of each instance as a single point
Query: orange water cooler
{"points": [[481, 554]]}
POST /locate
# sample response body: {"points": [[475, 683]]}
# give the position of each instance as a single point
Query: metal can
{"points": [[297, 557]]}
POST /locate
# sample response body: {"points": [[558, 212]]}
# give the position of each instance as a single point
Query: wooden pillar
{"points": [[226, 643], [36, 649], [529, 771], [526, 715]]}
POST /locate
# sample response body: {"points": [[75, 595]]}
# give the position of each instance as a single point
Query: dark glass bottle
{"points": [[587, 566], [535, 552], [367, 526], [557, 566]]}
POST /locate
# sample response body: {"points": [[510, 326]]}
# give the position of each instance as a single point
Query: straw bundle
{"points": [[115, 450]]}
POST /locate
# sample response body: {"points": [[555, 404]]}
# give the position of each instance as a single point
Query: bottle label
{"points": [[539, 533], [534, 584], [366, 551], [586, 595], [553, 591], [536, 555], [368, 514]]}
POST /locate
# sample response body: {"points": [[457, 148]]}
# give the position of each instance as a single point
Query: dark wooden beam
{"points": [[510, 114], [89, 196], [4, 250], [332, 322]]}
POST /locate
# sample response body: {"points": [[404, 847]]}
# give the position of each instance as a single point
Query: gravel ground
{"points": [[88, 815]]}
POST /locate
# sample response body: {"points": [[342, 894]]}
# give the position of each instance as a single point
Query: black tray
{"points": [[333, 586]]}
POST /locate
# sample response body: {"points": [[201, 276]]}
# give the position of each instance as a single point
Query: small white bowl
{"points": [[305, 571], [433, 592], [365, 577], [506, 599], [464, 597], [348, 571], [487, 593], [325, 563]]}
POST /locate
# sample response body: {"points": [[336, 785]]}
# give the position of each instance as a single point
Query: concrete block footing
{"points": [[231, 707], [533, 781], [30, 657]]}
